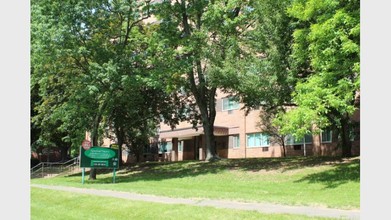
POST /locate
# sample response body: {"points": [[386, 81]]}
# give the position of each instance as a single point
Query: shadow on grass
{"points": [[340, 174], [100, 171], [158, 171]]}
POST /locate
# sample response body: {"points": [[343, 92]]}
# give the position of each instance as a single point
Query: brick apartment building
{"points": [[239, 136]]}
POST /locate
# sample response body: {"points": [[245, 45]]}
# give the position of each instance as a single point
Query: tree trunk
{"points": [[208, 115], [211, 153], [94, 138], [284, 150], [281, 141], [120, 137], [120, 143], [64, 153], [203, 93], [94, 133], [345, 139], [206, 105], [138, 156]]}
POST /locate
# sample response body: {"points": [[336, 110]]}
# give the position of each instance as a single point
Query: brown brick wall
{"points": [[239, 124]]}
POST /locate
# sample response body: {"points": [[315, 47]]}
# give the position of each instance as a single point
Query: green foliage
{"points": [[296, 122], [199, 42], [264, 77], [97, 65], [326, 58], [93, 64]]}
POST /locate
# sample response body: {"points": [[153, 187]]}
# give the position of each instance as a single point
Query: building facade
{"points": [[239, 136]]}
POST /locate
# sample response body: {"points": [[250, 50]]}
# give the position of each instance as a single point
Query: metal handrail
{"points": [[54, 163], [38, 165], [42, 165]]}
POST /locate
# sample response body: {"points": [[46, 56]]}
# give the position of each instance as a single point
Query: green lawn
{"points": [[318, 181], [51, 204]]}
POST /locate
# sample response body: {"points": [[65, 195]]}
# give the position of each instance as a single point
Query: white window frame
{"points": [[331, 136], [290, 140], [180, 146], [235, 141], [262, 141], [235, 104], [167, 148]]}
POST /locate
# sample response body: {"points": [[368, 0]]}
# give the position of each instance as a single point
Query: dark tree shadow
{"points": [[158, 171], [340, 174], [100, 171]]}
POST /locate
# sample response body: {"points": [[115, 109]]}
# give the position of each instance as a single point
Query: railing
{"points": [[53, 168]]}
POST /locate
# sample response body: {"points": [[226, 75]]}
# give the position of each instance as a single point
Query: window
{"points": [[308, 138], [290, 140], [229, 104], [326, 136], [235, 141], [169, 146], [265, 149], [354, 132], [180, 146], [257, 140], [165, 147]]}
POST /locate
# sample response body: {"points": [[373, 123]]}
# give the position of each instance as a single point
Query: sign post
{"points": [[114, 175], [98, 157], [82, 175]]}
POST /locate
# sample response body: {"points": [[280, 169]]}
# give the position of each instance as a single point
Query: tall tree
{"points": [[327, 44], [265, 80], [89, 57], [199, 39]]}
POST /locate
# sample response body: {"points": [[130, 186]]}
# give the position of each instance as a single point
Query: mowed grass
{"points": [[51, 204], [313, 181]]}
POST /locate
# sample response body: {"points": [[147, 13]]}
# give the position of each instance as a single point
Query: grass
{"points": [[316, 181], [51, 204]]}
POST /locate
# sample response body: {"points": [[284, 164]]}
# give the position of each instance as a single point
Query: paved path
{"points": [[261, 207]]}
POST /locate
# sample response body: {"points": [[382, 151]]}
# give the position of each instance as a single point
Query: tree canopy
{"points": [[201, 40], [103, 65], [326, 59], [92, 63]]}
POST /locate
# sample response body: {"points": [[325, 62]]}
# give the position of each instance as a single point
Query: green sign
{"points": [[99, 157]]}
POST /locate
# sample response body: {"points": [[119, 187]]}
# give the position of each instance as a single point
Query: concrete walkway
{"points": [[261, 207]]}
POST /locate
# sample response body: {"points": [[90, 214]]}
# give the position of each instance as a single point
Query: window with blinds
{"points": [[229, 104], [290, 140], [257, 140]]}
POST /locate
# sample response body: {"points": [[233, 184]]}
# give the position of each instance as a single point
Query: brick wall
{"points": [[240, 124]]}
